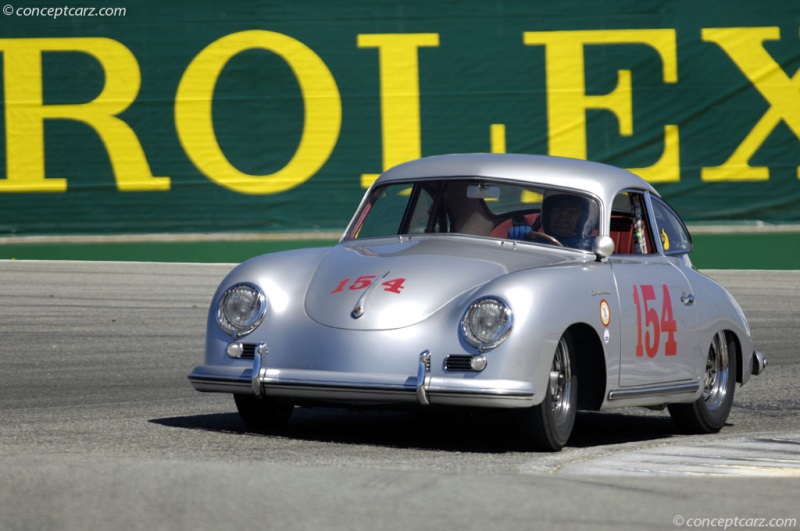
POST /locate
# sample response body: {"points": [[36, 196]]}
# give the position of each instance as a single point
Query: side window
{"points": [[630, 228], [674, 236]]}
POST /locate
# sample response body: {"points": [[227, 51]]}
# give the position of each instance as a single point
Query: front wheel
{"points": [[548, 426], [709, 413], [263, 413]]}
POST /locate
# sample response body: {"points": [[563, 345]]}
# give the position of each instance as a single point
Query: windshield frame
{"points": [[440, 185]]}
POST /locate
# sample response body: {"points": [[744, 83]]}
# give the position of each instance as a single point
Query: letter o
{"points": [[321, 126]]}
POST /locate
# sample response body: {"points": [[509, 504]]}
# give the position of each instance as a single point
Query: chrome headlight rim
{"points": [[501, 333], [230, 328]]}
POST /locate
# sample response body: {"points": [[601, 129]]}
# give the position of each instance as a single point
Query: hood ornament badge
{"points": [[358, 309]]}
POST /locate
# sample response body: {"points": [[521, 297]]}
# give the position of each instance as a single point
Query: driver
{"points": [[568, 218]]}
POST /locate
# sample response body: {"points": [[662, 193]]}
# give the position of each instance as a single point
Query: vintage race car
{"points": [[537, 284]]}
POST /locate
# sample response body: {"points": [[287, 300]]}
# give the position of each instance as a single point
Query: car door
{"points": [[658, 321]]}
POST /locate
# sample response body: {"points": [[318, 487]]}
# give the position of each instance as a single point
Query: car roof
{"points": [[602, 180]]}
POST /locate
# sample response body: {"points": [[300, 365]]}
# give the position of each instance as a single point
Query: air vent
{"points": [[458, 362], [249, 351]]}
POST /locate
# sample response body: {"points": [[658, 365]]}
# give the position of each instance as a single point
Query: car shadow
{"points": [[476, 432]]}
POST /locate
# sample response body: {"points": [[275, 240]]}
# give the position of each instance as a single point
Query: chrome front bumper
{"points": [[363, 389]]}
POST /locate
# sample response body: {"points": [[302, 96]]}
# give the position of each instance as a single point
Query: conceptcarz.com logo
{"points": [[64, 11]]}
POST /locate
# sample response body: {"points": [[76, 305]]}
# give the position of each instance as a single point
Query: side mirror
{"points": [[603, 247]]}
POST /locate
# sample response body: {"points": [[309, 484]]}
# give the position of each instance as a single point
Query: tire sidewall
{"points": [[539, 423], [715, 419]]}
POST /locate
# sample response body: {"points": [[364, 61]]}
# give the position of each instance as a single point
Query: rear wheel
{"points": [[709, 413], [548, 426], [263, 413]]}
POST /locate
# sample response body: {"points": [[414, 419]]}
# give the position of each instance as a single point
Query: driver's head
{"points": [[564, 215]]}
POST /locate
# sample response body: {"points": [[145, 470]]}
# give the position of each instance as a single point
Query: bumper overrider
{"points": [[759, 363], [422, 389]]}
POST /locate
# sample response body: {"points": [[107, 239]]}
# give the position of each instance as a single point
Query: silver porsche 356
{"points": [[538, 284]]}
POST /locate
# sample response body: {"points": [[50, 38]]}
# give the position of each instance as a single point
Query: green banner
{"points": [[274, 116]]}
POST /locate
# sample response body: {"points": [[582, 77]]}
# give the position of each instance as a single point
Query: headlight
{"points": [[486, 323], [241, 309]]}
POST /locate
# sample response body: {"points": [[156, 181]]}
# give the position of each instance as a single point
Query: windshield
{"points": [[479, 207]]}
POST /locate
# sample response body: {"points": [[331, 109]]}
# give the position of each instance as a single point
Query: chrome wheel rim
{"points": [[561, 382], [715, 386]]}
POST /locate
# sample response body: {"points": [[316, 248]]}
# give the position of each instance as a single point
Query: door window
{"points": [[674, 237], [630, 228]]}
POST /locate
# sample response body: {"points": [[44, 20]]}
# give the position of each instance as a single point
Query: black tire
{"points": [[548, 426], [709, 413], [263, 413]]}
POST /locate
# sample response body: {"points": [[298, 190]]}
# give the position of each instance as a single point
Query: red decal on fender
{"points": [[654, 324]]}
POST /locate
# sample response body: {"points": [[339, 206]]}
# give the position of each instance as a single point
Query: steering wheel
{"points": [[532, 235]]}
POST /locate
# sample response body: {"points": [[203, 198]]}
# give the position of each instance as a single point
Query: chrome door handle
{"points": [[687, 299]]}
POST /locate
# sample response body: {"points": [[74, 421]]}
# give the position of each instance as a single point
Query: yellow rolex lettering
{"points": [[321, 126], [745, 47], [26, 113], [567, 100], [497, 138], [668, 167], [399, 87]]}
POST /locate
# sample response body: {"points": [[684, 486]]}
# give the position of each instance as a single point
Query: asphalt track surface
{"points": [[100, 429]]}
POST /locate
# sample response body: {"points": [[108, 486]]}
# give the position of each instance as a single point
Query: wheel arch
{"points": [[592, 374], [731, 336]]}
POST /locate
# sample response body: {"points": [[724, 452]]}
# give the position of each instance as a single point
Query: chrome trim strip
{"points": [[671, 389], [315, 387], [473, 394], [359, 308], [212, 384], [398, 395], [309, 384]]}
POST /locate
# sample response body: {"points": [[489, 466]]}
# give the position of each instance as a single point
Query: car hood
{"points": [[382, 284]]}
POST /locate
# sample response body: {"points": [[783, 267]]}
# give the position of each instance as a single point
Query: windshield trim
{"points": [[417, 185]]}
